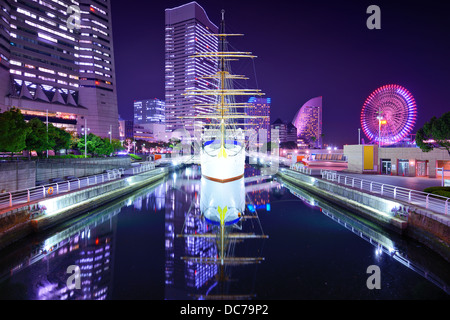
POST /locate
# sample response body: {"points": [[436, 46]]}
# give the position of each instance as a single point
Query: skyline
{"points": [[315, 49]]}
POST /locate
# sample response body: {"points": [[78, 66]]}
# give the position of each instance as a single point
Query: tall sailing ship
{"points": [[223, 154]]}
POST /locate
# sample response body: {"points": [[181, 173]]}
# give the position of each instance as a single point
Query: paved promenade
{"points": [[414, 183]]}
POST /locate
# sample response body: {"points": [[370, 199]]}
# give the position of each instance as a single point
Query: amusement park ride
{"points": [[388, 115]]}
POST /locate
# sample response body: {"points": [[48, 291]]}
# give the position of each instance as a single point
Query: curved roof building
{"points": [[308, 122]]}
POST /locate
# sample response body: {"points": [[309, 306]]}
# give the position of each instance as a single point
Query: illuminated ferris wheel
{"points": [[388, 115]]}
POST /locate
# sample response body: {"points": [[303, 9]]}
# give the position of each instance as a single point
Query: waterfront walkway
{"points": [[414, 183], [18, 198]]}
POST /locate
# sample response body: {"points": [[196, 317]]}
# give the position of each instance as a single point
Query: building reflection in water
{"points": [[390, 245], [205, 236], [88, 244]]}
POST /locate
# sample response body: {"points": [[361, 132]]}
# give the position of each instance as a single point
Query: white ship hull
{"points": [[220, 166], [222, 203]]}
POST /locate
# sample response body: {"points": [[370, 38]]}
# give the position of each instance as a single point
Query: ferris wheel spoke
{"points": [[393, 105]]}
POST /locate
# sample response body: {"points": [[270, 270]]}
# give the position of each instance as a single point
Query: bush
{"points": [[135, 157], [440, 191]]}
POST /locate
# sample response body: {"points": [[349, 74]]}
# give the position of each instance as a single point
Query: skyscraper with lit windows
{"points": [[149, 111], [308, 122], [51, 68], [260, 109], [186, 29]]}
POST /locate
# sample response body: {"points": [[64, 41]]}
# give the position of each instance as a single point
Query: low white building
{"points": [[408, 162]]}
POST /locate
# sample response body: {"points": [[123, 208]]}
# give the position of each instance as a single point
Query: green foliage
{"points": [[135, 157], [61, 137], [13, 131], [440, 191], [37, 138], [117, 145], [96, 145], [438, 130]]}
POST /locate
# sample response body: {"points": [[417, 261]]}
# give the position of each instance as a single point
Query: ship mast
{"points": [[222, 79], [225, 109]]}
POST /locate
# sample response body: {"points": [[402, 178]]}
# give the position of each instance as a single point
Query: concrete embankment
{"points": [[429, 228], [53, 211]]}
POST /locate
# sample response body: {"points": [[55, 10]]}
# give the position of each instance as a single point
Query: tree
{"points": [[435, 134], [117, 145], [95, 145], [37, 138], [104, 147], [13, 131], [61, 137]]}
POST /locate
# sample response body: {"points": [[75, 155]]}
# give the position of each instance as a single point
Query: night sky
{"points": [[305, 49]]}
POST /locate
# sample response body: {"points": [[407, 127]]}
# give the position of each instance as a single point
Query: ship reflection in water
{"points": [[217, 234]]}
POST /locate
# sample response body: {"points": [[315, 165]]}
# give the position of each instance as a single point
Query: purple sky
{"points": [[305, 49]]}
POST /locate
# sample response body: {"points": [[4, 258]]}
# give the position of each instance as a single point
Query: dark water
{"points": [[156, 244]]}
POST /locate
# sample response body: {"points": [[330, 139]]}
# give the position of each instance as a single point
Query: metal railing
{"points": [[300, 168], [9, 199], [436, 203], [145, 166]]}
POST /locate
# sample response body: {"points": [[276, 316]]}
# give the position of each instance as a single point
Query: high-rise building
{"points": [[291, 132], [54, 64], [282, 130], [308, 122], [260, 107], [126, 128], [186, 33], [150, 111]]}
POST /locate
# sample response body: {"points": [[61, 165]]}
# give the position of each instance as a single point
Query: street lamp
{"points": [[47, 133], [110, 133], [379, 117], [85, 130]]}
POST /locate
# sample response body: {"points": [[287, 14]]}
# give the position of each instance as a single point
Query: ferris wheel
{"points": [[388, 115]]}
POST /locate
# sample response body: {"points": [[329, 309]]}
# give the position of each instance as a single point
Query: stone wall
{"points": [[372, 207], [17, 175], [427, 227], [52, 169]]}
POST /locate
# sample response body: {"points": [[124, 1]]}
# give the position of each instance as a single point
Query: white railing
{"points": [[436, 203], [144, 167], [9, 199], [300, 168]]}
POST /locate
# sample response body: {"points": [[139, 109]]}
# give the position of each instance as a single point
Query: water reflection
{"points": [[197, 256], [208, 238], [36, 269], [394, 247]]}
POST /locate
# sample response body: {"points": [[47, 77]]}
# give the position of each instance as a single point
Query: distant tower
{"points": [[186, 27], [308, 122], [260, 108], [149, 111]]}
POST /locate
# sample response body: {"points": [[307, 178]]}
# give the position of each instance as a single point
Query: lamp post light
{"points": [[110, 133], [47, 133], [85, 130], [379, 117]]}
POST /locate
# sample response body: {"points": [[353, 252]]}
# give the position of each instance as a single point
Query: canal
{"points": [[158, 244]]}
